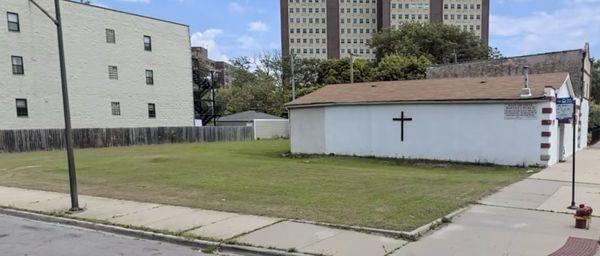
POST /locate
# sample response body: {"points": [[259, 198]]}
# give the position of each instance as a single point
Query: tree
{"points": [[438, 42], [394, 67], [255, 85], [595, 90]]}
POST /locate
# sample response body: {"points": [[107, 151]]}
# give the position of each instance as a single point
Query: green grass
{"points": [[255, 178]]}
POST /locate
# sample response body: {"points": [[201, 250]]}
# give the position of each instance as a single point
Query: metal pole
{"points": [[293, 78], [573, 205], [212, 96], [67, 111], [351, 68]]}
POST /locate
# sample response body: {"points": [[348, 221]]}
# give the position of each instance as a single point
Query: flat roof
{"points": [[128, 13]]}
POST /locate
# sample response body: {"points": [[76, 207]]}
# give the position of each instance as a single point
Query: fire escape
{"points": [[205, 89]]}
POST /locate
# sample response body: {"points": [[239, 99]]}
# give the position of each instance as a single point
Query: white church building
{"points": [[480, 120]]}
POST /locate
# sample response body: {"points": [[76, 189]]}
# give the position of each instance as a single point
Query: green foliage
{"points": [[595, 90], [392, 68], [438, 42], [255, 86], [594, 121]]}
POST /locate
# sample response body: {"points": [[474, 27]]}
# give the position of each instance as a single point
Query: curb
{"points": [[202, 244], [412, 236], [422, 230]]}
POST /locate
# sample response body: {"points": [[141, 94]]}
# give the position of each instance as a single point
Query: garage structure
{"points": [[266, 126], [507, 120]]}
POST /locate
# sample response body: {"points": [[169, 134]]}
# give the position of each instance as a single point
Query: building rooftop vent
{"points": [[526, 91]]}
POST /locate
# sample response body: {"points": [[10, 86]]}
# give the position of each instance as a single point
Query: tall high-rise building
{"points": [[340, 28]]}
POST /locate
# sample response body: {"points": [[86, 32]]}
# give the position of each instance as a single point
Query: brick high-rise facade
{"points": [[337, 28]]}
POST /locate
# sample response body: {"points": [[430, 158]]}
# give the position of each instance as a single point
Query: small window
{"points": [[17, 65], [149, 77], [115, 108], [151, 110], [13, 22], [113, 72], [148, 43], [22, 108], [110, 36]]}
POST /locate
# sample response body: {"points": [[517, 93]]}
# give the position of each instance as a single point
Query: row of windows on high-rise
{"points": [[462, 6], [308, 31], [343, 1], [358, 31], [410, 16], [358, 21], [308, 51], [22, 108], [410, 6], [308, 20], [308, 40], [462, 17]]}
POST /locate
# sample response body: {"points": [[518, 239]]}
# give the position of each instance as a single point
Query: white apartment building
{"points": [[340, 28], [124, 70]]}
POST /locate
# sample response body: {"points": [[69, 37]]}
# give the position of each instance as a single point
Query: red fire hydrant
{"points": [[583, 217]]}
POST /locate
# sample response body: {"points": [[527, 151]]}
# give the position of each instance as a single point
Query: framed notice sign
{"points": [[520, 111], [564, 108]]}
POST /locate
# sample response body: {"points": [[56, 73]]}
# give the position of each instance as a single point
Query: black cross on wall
{"points": [[402, 119]]}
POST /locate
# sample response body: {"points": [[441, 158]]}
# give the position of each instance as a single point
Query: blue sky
{"points": [[230, 28]]}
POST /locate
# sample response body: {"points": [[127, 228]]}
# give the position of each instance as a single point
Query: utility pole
{"points": [[352, 67], [65, 94], [293, 77]]}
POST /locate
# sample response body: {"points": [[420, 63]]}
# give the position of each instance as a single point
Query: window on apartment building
{"points": [[110, 36], [22, 110], [151, 110], [148, 43], [17, 65], [115, 108], [13, 22], [149, 77], [113, 72]]}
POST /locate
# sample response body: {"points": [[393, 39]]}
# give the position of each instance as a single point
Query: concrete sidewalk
{"points": [[232, 228], [527, 218]]}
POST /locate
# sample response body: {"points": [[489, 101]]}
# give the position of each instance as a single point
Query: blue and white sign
{"points": [[564, 109]]}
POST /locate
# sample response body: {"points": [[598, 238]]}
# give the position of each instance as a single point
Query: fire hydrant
{"points": [[583, 217]]}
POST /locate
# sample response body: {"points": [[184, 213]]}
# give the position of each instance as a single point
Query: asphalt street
{"points": [[20, 236]]}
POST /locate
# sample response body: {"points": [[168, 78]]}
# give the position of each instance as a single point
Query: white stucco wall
{"points": [[307, 130], [271, 128], [88, 57], [457, 132]]}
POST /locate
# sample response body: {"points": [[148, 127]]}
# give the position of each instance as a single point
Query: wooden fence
{"points": [[12, 141]]}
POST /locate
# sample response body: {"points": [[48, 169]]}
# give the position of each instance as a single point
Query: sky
{"points": [[231, 28]]}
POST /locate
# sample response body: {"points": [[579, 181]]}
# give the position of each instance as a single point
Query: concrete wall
{"points": [[271, 128], [458, 132], [566, 61], [88, 56]]}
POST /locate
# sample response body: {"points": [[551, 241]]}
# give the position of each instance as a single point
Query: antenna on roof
{"points": [[526, 92]]}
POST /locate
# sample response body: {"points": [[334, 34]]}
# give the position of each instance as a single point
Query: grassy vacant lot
{"points": [[254, 178]]}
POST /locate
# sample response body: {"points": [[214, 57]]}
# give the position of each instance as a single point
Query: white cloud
{"points": [[236, 7], [258, 26], [248, 43], [566, 28], [207, 39]]}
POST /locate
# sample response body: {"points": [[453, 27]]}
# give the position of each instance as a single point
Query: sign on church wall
{"points": [[564, 108], [520, 111]]}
